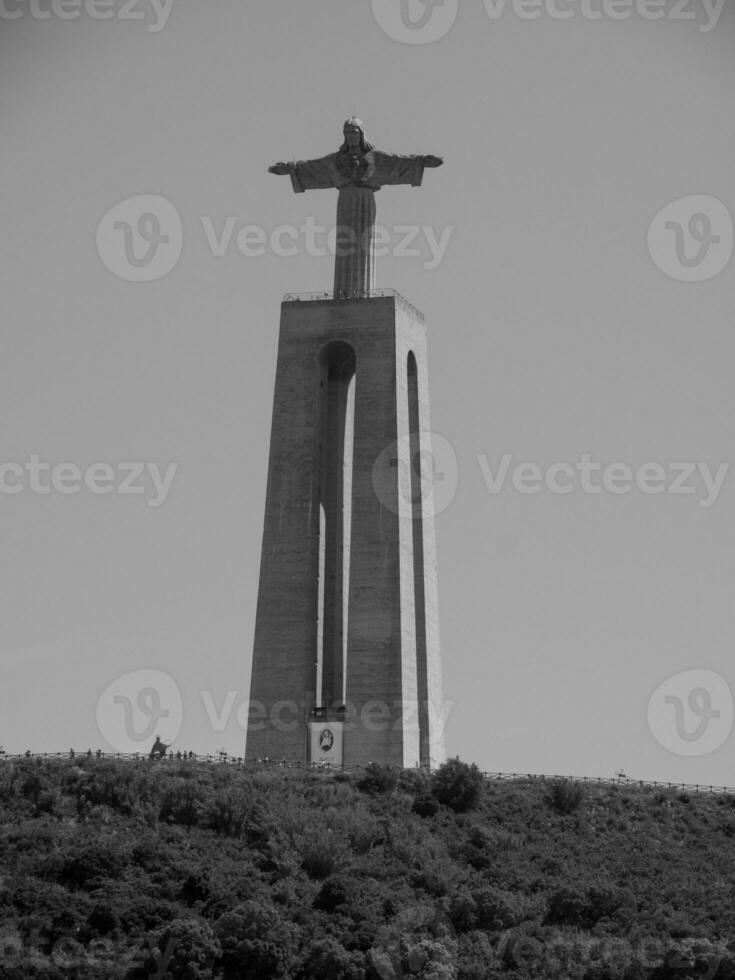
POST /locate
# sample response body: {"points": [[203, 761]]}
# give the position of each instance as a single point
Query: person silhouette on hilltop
{"points": [[159, 749]]}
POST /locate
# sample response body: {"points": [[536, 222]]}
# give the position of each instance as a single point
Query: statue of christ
{"points": [[357, 170]]}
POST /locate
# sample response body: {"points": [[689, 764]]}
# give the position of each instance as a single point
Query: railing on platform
{"points": [[241, 762], [356, 295]]}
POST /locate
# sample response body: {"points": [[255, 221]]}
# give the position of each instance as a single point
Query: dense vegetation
{"points": [[182, 870]]}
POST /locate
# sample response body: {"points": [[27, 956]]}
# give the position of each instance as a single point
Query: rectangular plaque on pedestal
{"points": [[325, 742]]}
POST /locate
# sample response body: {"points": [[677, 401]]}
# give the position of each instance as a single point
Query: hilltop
{"points": [[179, 869]]}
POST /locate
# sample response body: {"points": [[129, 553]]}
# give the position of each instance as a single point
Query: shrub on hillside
{"points": [[31, 784], [143, 913], [429, 959], [463, 911], [566, 796], [107, 784], [584, 909], [364, 832], [91, 864], [322, 852], [377, 779], [476, 957], [457, 784], [567, 907], [227, 812], [414, 781], [103, 920], [496, 909], [609, 902], [327, 959], [255, 942], [414, 946], [692, 957], [425, 805], [189, 949], [334, 892], [182, 803]]}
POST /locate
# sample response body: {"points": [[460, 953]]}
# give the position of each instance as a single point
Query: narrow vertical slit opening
{"points": [[320, 607], [349, 444], [417, 508]]}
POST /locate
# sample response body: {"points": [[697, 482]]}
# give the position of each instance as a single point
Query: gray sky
{"points": [[553, 333]]}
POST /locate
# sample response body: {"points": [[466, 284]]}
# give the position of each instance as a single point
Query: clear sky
{"points": [[555, 331]]}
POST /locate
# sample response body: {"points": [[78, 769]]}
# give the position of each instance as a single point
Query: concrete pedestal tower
{"points": [[346, 661]]}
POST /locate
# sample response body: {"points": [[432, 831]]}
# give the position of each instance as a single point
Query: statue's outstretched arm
{"points": [[393, 168], [308, 175]]}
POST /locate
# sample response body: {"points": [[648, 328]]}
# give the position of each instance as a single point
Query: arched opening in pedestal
{"points": [[336, 404]]}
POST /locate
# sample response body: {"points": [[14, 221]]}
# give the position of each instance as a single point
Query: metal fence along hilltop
{"points": [[223, 758]]}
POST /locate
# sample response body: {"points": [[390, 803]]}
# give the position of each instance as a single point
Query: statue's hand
{"points": [[281, 169], [430, 161]]}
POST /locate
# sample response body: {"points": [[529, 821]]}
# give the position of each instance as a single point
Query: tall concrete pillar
{"points": [[347, 617]]}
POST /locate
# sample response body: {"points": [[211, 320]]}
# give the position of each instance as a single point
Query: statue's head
{"points": [[354, 133]]}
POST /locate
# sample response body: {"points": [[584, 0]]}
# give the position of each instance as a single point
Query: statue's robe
{"points": [[357, 176]]}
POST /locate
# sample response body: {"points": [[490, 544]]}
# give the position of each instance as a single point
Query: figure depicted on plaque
{"points": [[357, 170]]}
